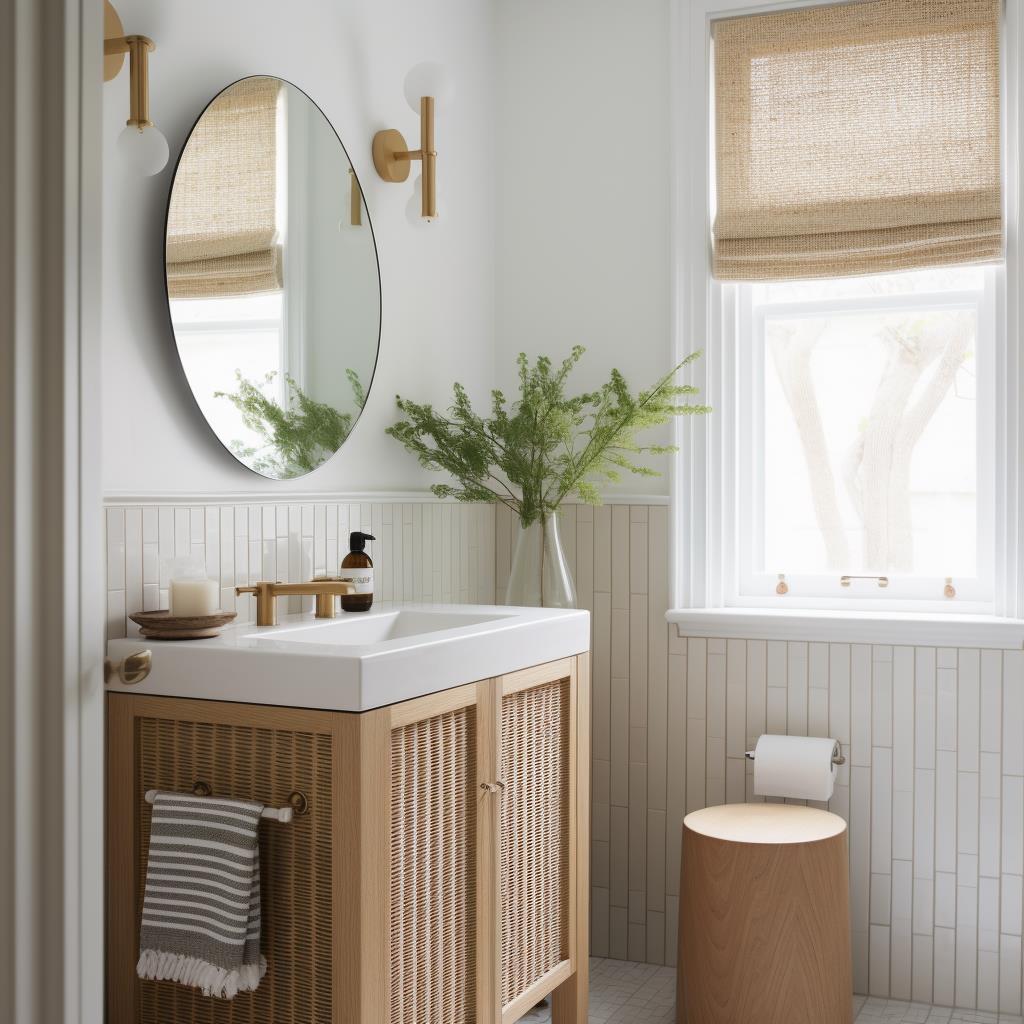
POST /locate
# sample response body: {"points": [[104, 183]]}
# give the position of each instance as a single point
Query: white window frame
{"points": [[236, 325], [744, 454], [292, 216], [704, 312]]}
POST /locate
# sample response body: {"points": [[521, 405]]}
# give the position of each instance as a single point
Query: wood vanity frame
{"points": [[360, 789]]}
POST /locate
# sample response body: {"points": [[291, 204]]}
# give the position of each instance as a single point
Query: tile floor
{"points": [[629, 993]]}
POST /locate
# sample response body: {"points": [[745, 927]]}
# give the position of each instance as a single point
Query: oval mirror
{"points": [[272, 278]]}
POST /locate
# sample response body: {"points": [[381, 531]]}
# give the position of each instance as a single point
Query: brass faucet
{"points": [[324, 590]]}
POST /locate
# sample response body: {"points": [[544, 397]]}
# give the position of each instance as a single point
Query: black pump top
{"points": [[357, 541]]}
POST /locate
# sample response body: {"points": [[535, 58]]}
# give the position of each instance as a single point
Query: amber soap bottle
{"points": [[357, 568]]}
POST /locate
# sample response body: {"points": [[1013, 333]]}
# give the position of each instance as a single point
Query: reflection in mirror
{"points": [[272, 278]]}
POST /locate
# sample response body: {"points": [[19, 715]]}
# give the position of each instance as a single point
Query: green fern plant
{"points": [[299, 437], [546, 445]]}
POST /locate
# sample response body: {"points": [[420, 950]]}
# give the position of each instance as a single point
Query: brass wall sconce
{"points": [[425, 86], [141, 144], [355, 204]]}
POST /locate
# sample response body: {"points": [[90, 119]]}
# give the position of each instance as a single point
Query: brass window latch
{"points": [[882, 581]]}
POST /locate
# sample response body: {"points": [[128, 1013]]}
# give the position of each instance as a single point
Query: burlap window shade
{"points": [[857, 138], [221, 223]]}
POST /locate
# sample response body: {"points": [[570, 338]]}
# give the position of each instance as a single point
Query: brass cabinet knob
{"points": [[132, 670]]}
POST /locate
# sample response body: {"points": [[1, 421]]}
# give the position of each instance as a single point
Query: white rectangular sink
{"points": [[358, 660], [376, 629]]}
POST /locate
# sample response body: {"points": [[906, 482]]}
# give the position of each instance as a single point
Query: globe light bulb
{"points": [[144, 151], [428, 79]]}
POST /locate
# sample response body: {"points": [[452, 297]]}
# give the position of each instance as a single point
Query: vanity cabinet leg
{"points": [[569, 1000]]}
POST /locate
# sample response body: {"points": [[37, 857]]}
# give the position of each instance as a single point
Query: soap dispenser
{"points": [[357, 569]]}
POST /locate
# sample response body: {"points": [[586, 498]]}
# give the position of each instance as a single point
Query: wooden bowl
{"points": [[162, 625]]}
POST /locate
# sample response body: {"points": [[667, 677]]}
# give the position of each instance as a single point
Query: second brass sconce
{"points": [[140, 144], [392, 157]]}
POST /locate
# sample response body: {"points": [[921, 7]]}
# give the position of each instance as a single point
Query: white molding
{"points": [[898, 628], [83, 438], [51, 550], [126, 498], [118, 498], [1009, 421]]}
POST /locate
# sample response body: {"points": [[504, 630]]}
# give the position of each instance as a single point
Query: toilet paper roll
{"points": [[799, 767]]}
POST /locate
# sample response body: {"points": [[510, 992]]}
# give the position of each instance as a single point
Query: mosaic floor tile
{"points": [[622, 992]]}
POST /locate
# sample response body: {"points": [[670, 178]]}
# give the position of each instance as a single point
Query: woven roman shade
{"points": [[221, 222], [857, 138]]}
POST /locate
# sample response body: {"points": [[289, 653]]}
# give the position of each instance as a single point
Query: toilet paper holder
{"points": [[837, 754]]}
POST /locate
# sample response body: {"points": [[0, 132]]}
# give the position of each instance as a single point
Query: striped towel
{"points": [[201, 911]]}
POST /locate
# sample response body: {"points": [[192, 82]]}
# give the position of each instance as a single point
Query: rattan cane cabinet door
{"points": [[433, 970], [535, 829], [247, 752]]}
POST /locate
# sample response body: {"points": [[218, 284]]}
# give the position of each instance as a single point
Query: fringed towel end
{"points": [[197, 973]]}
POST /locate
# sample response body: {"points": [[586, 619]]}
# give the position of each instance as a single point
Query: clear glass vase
{"points": [[540, 576]]}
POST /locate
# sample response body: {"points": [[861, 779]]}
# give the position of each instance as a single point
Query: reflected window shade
{"points": [[221, 222], [248, 273], [857, 138]]}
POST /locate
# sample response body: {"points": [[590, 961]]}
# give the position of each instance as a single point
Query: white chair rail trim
{"points": [[899, 628]]}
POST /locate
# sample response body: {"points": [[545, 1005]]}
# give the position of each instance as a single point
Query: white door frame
{"points": [[51, 540]]}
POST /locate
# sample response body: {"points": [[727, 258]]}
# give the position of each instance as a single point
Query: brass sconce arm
{"points": [[138, 49], [428, 156]]}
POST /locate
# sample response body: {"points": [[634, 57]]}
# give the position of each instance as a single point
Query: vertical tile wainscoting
{"points": [[933, 789], [933, 792], [425, 550], [619, 558]]}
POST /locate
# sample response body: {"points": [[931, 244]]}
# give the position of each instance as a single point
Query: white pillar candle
{"points": [[189, 598]]}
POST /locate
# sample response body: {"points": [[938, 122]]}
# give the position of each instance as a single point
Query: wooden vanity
{"points": [[439, 874]]}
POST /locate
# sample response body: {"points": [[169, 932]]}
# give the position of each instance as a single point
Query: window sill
{"points": [[902, 628]]}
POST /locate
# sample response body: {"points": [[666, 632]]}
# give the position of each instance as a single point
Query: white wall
{"points": [[583, 189], [351, 56]]}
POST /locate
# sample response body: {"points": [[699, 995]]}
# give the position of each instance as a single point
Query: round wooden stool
{"points": [[764, 917]]}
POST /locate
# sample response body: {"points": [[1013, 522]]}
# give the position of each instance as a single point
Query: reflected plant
{"points": [[299, 437], [546, 445]]}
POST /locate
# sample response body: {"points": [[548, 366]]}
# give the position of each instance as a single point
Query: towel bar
{"points": [[281, 814]]}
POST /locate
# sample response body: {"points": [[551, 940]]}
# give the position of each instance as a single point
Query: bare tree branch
{"points": [[791, 350]]}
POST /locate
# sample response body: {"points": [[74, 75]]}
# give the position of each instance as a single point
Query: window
{"points": [[862, 453], [221, 337], [865, 445]]}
